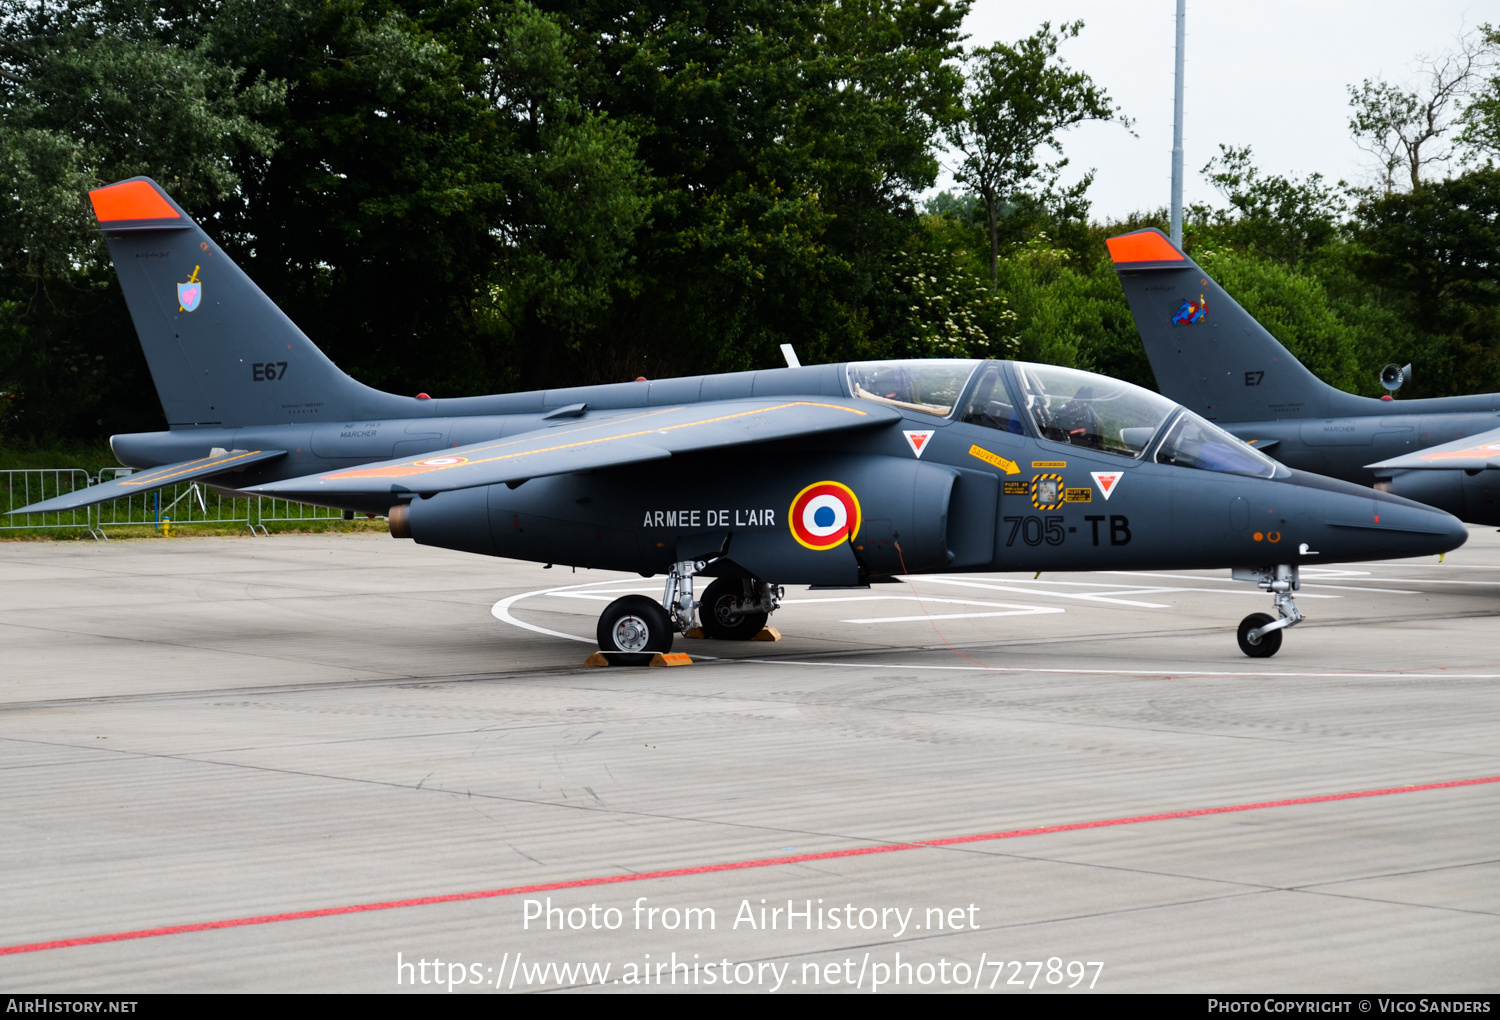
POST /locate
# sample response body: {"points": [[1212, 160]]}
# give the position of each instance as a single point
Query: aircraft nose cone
{"points": [[1389, 528], [1364, 524], [1455, 533]]}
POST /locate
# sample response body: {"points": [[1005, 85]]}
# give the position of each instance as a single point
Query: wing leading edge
{"points": [[633, 437]]}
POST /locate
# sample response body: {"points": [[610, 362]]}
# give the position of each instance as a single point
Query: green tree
{"points": [[1435, 250], [1071, 311], [1480, 133], [1018, 99], [469, 195], [783, 143], [94, 92], [1280, 217], [1409, 130]]}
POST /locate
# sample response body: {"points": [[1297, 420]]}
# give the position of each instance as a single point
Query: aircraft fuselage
{"points": [[976, 499]]}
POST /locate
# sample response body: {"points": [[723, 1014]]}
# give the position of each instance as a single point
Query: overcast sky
{"points": [[1272, 75]]}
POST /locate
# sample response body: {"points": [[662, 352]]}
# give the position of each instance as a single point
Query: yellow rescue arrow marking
{"points": [[995, 460]]}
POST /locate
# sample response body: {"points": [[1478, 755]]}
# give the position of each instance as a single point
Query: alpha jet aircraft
{"points": [[834, 475], [1210, 354]]}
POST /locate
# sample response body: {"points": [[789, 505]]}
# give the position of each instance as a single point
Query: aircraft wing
{"points": [[1472, 453], [628, 437], [155, 478]]}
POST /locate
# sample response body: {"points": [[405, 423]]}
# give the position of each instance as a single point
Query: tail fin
{"points": [[1207, 352], [220, 352]]}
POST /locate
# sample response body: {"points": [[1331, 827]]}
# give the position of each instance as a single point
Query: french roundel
{"points": [[824, 515]]}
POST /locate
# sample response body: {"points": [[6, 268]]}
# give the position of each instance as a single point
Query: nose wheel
{"points": [[1255, 641], [1260, 635]]}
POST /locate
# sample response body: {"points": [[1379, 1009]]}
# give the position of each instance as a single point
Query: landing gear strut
{"points": [[678, 595], [1260, 635]]}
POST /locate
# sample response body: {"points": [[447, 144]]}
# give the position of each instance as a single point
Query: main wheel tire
{"points": [[1267, 646], [632, 629], [718, 608]]}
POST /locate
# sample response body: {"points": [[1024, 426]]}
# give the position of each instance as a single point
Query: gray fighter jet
{"points": [[1209, 354], [831, 475]]}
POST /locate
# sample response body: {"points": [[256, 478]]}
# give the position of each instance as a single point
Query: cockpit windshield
{"points": [[1092, 411], [1193, 442], [931, 387]]}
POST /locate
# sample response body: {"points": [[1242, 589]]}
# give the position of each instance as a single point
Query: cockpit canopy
{"points": [[1063, 405], [1092, 411], [932, 387]]}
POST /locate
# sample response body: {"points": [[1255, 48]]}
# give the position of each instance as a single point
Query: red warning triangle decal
{"points": [[918, 441], [1106, 480]]}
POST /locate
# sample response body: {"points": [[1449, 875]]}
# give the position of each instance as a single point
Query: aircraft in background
{"points": [[831, 475], [1211, 356]]}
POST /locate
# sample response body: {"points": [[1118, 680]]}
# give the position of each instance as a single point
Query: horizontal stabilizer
{"points": [[1472, 453], [155, 478], [631, 437]]}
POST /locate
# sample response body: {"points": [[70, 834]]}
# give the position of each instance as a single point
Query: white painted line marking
{"points": [[653, 591], [1347, 587], [1005, 608], [501, 610], [1082, 596], [950, 616]]}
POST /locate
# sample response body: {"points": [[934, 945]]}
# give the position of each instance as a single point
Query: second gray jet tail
{"points": [[1207, 352]]}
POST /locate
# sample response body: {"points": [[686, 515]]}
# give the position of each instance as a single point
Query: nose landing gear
{"points": [[1259, 635]]}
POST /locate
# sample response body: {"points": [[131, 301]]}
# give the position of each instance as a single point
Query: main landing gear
{"points": [[1260, 635], [634, 628], [737, 608]]}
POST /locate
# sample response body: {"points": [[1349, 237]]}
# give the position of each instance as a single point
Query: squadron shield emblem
{"points": [[825, 515], [190, 294]]}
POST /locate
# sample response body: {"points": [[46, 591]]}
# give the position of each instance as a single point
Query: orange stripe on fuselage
{"points": [[133, 200], [1147, 246]]}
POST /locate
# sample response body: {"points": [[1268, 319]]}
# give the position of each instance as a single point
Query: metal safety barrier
{"points": [[271, 508], [182, 505], [25, 487]]}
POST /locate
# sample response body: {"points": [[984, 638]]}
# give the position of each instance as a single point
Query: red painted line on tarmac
{"points": [[764, 862]]}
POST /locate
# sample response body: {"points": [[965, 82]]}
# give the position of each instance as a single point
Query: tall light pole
{"points": [[1177, 130]]}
